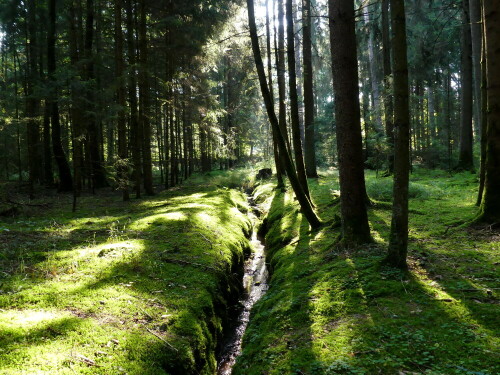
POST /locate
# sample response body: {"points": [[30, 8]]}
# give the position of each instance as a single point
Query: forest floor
{"points": [[140, 287], [144, 287], [338, 311]]}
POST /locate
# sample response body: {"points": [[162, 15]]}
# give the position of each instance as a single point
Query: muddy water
{"points": [[255, 283]]}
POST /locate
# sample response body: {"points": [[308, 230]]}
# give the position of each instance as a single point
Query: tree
{"points": [[465, 161], [304, 202], [121, 96], [355, 227], [309, 131], [294, 100], [490, 206], [65, 179], [398, 239]]}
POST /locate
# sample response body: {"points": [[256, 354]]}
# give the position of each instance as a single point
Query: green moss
{"points": [[338, 311], [137, 288]]}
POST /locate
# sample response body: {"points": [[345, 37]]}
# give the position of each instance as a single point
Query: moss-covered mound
{"points": [[337, 311], [121, 288]]}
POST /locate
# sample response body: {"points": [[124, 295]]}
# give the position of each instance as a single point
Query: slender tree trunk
{"points": [[490, 206], [97, 172], [32, 103], [398, 239], [277, 163], [65, 179], [281, 72], [135, 133], [309, 131], [388, 103], [355, 228], [476, 34], [120, 93], [484, 116], [374, 77], [294, 101], [465, 161], [144, 101], [304, 202]]}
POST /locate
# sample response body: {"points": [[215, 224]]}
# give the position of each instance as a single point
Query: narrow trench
{"points": [[255, 285]]}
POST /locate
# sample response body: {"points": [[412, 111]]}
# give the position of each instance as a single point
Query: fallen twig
{"points": [[162, 339]]}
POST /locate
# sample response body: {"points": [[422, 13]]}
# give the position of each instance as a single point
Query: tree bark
{"points": [[277, 163], [65, 179], [388, 99], [135, 133], [465, 161], [476, 39], [144, 101], [490, 206], [122, 166], [304, 202], [398, 239], [309, 131], [355, 227], [294, 100], [97, 172]]}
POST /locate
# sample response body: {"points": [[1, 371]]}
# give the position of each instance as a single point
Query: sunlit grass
{"points": [[137, 288], [333, 311]]}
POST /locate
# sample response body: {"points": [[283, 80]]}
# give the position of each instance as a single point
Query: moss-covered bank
{"points": [[337, 311], [121, 288]]}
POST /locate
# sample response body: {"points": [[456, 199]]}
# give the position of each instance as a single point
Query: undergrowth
{"points": [[121, 288], [337, 311]]}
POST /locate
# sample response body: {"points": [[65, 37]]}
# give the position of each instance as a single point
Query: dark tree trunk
{"points": [[465, 161], [65, 179], [97, 172], [144, 101], [294, 101], [355, 228], [280, 63], [388, 104], [484, 117], [398, 239], [76, 99], [135, 138], [120, 93], [476, 39], [32, 103], [279, 167], [490, 206], [304, 202], [309, 137]]}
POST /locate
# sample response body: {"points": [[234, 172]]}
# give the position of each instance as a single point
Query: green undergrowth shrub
{"points": [[143, 287], [329, 310]]}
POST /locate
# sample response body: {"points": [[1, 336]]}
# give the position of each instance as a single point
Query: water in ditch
{"points": [[255, 284]]}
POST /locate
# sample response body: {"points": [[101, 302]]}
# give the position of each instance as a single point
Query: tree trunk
{"points": [[280, 63], [97, 172], [144, 102], [484, 116], [398, 239], [465, 161], [388, 104], [294, 101], [476, 34], [304, 202], [355, 227], [135, 132], [65, 179], [490, 206], [279, 167], [309, 136], [120, 94], [32, 103]]}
